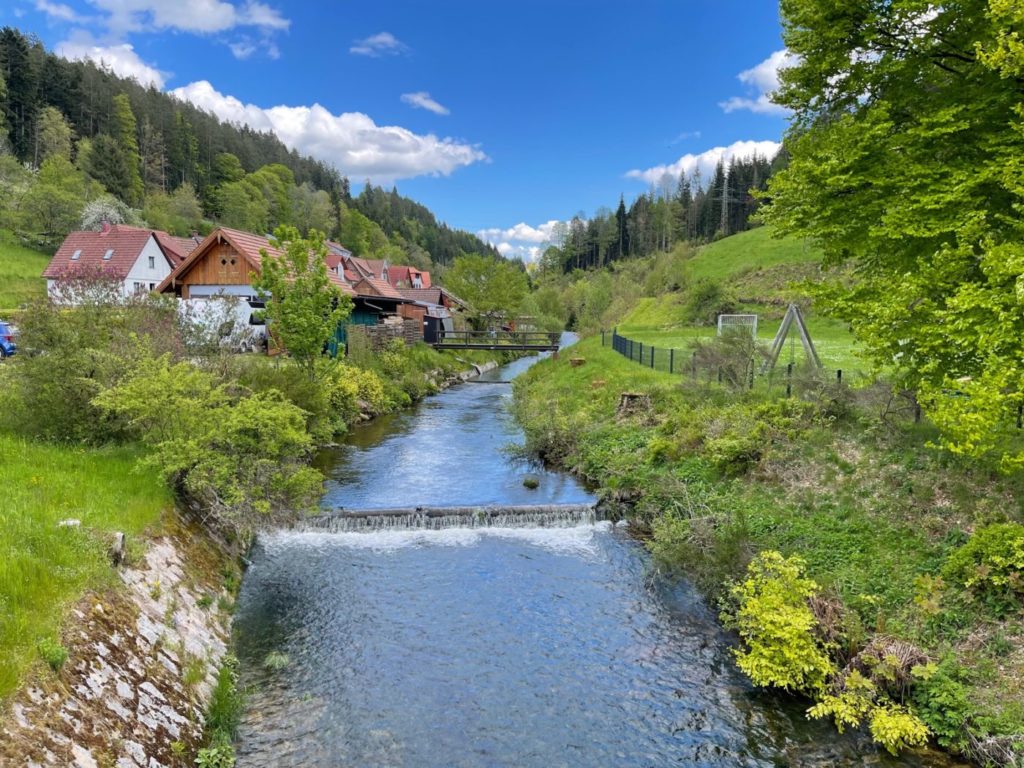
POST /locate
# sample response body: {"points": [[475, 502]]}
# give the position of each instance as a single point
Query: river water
{"points": [[485, 647]]}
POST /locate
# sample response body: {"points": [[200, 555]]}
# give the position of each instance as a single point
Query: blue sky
{"points": [[501, 117]]}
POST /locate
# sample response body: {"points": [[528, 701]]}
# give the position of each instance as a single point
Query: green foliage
{"points": [[53, 653], [919, 187], [304, 308], [771, 615], [488, 284], [897, 728], [275, 661], [219, 756], [20, 268], [53, 135], [227, 704], [705, 301], [991, 565], [243, 457], [942, 700]]}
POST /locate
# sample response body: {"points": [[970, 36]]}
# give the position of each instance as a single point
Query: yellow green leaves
{"points": [[776, 624]]}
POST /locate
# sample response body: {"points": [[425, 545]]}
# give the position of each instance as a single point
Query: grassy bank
{"points": [[45, 569], [20, 269], [716, 476]]}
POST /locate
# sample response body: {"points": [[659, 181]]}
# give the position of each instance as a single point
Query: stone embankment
{"points": [[142, 663]]}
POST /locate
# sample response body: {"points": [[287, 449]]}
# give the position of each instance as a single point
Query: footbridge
{"points": [[513, 341]]}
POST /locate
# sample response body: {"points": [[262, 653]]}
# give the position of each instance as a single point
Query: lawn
{"points": [[750, 250], [20, 270], [44, 568]]}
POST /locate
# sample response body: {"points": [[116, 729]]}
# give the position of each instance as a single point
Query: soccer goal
{"points": [[737, 323]]}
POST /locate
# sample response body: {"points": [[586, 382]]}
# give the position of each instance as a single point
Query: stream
{"points": [[544, 646]]}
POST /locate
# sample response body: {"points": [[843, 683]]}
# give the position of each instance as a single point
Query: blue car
{"points": [[7, 345]]}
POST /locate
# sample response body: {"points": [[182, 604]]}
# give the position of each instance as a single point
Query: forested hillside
{"points": [[683, 209], [72, 133]]}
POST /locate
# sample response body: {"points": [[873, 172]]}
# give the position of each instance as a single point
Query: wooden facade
{"points": [[220, 265]]}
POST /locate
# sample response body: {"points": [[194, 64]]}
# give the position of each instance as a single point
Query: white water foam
{"points": [[575, 540]]}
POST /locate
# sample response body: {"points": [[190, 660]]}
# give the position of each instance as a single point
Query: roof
{"points": [[178, 248], [124, 244], [433, 295], [401, 273], [371, 286], [248, 247]]}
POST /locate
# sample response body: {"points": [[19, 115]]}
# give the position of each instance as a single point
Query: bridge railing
{"points": [[540, 339]]}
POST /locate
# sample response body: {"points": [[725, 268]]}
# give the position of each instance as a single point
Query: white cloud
{"points": [[351, 141], [762, 81], [706, 161], [120, 58], [242, 49], [58, 11], [521, 241], [198, 16], [422, 100], [684, 136], [542, 233], [381, 44]]}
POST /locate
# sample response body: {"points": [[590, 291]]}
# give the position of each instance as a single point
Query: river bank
{"points": [[713, 477], [105, 663]]}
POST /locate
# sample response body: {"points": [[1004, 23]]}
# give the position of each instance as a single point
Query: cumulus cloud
{"points": [[706, 161], [351, 140], [381, 44], [58, 11], [521, 241], [120, 58], [521, 231], [198, 16], [422, 100], [762, 81]]}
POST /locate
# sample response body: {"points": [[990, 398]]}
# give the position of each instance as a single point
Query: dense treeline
{"points": [[682, 209], [73, 134]]}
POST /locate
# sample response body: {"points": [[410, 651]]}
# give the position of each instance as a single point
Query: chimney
{"points": [[105, 228]]}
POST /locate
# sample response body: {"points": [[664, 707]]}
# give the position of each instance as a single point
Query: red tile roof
{"points": [[248, 246], [176, 247], [371, 286], [124, 243], [400, 274], [433, 295]]}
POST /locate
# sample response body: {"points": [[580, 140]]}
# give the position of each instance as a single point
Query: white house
{"points": [[133, 256]]}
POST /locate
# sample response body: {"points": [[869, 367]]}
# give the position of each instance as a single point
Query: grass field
{"points": [[763, 267], [751, 250], [20, 270], [45, 569]]}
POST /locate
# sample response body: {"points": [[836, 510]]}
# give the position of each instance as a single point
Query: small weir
{"points": [[440, 518]]}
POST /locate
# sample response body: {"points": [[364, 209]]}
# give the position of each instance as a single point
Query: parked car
{"points": [[7, 345]]}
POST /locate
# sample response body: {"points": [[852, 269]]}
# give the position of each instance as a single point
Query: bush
{"points": [[705, 301], [943, 702], [53, 653], [991, 565], [770, 612], [243, 457]]}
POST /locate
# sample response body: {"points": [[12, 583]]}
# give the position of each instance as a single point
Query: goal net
{"points": [[737, 324]]}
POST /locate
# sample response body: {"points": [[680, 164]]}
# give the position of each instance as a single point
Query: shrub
{"points": [[991, 565], [53, 653], [771, 614], [943, 702], [705, 301], [895, 727], [220, 756]]}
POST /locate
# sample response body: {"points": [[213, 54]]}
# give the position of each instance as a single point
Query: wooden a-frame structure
{"points": [[793, 315]]}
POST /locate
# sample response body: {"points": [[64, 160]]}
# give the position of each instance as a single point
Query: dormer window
{"points": [[107, 256], [77, 254]]}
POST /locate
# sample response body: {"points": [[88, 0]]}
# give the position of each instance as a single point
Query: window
{"points": [[152, 286], [138, 287], [77, 254], [152, 262], [108, 254]]}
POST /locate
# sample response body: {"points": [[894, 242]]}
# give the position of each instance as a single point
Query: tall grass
{"points": [[44, 568], [20, 270]]}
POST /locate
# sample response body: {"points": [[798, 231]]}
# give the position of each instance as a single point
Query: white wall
{"points": [[148, 277]]}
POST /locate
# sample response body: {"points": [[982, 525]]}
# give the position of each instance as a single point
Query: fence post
{"points": [[693, 363], [789, 379], [640, 357], [1020, 416], [672, 361], [719, 374], [602, 337], [839, 376], [751, 373], [652, 358]]}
